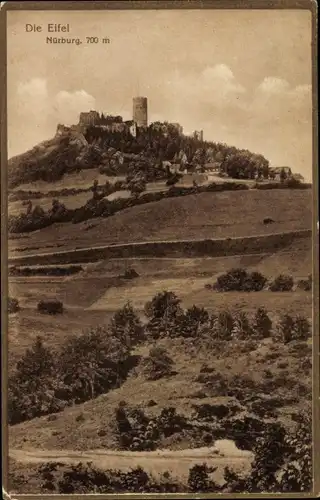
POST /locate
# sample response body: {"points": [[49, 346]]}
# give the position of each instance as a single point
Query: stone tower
{"points": [[140, 111]]}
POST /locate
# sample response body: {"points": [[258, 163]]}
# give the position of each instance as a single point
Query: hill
{"points": [[147, 149], [47, 161], [199, 216], [80, 427]]}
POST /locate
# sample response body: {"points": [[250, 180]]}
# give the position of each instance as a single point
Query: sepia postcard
{"points": [[160, 259]]}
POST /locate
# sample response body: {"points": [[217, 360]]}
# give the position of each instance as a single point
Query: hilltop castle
{"points": [[115, 123], [111, 123]]}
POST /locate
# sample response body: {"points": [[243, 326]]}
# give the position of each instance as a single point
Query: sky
{"points": [[242, 76]]}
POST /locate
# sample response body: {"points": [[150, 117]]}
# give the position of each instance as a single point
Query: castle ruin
{"points": [[140, 111]]}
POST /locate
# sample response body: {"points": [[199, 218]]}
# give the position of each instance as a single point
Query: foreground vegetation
{"points": [[99, 360], [282, 464]]}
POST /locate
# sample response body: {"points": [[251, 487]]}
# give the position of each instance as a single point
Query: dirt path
{"points": [[156, 462]]}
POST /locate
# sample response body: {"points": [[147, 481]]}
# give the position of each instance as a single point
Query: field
{"points": [[83, 179], [205, 215]]}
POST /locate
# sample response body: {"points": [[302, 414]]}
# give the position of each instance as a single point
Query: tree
{"points": [[199, 479], [224, 325], [89, 363], [13, 305], [38, 361], [137, 185], [285, 328], [283, 175], [94, 189], [241, 328], [57, 209], [29, 207], [164, 305], [126, 326], [296, 475], [158, 364], [262, 324], [301, 328], [192, 320], [31, 389], [269, 454]]}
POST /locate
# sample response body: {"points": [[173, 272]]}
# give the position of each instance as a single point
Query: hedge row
{"points": [[45, 271], [97, 207], [240, 280]]}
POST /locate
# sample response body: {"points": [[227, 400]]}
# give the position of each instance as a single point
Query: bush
{"points": [[242, 328], [240, 280], [305, 285], [285, 329], [262, 324], [255, 282], [50, 307], [44, 271], [158, 364], [127, 327], [130, 274], [199, 479], [164, 304], [282, 283], [190, 323], [293, 328], [13, 305], [209, 412], [301, 328], [223, 326]]}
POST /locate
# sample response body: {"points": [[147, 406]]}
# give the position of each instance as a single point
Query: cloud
{"points": [[68, 105], [34, 88], [215, 85], [276, 101], [273, 86], [221, 79], [36, 104]]}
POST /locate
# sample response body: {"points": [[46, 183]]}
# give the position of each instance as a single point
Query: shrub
{"points": [[50, 306], [208, 412], [301, 328], [126, 326], [191, 321], [262, 324], [164, 304], [305, 285], [242, 328], [32, 387], [233, 280], [158, 364], [282, 283], [293, 328], [255, 282], [238, 279], [285, 329], [13, 305], [44, 271], [169, 422], [130, 274], [223, 326], [199, 479]]}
